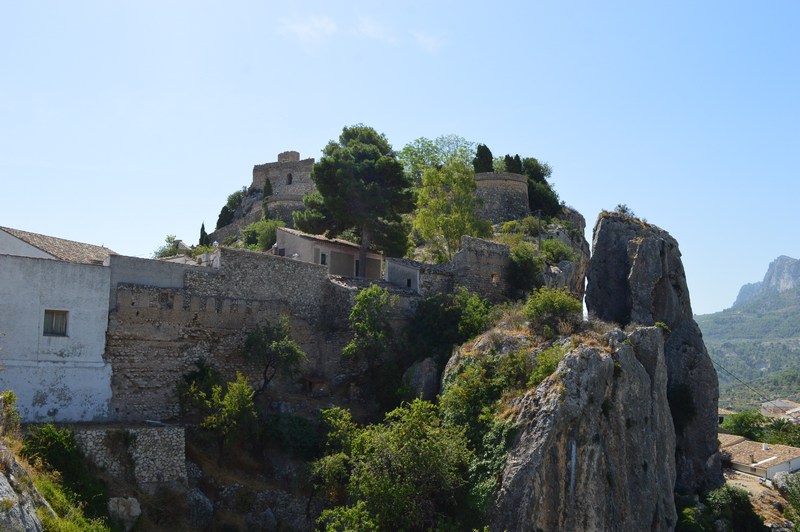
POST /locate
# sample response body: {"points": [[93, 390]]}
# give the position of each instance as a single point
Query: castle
{"points": [[502, 196]]}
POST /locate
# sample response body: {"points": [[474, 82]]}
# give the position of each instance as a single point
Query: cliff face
{"points": [[636, 276], [782, 276], [19, 496], [595, 446]]}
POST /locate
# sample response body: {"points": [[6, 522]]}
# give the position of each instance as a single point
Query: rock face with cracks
{"points": [[636, 276], [595, 446]]}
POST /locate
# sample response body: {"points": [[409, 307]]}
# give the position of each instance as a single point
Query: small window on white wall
{"points": [[55, 323], [323, 259]]}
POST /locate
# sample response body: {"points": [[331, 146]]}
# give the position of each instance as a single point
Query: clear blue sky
{"points": [[122, 122]]}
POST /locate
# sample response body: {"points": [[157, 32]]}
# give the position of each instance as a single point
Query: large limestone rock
{"points": [[18, 498], [569, 275], [595, 450], [782, 276], [636, 276]]}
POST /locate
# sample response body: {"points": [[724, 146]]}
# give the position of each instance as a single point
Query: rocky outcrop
{"points": [[18, 498], [595, 448], [636, 276], [782, 276], [569, 275], [422, 379]]}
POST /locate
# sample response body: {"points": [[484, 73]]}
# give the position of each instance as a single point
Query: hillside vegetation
{"points": [[757, 341]]}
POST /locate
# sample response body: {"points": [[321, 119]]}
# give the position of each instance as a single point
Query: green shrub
{"points": [[355, 518], [202, 379], [57, 450], [525, 271], [296, 435], [542, 196], [546, 362], [442, 321], [512, 226], [554, 251], [547, 308], [733, 504], [10, 417], [534, 226], [262, 234]]}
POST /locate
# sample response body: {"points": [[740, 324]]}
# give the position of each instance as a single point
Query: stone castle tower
{"points": [[290, 180], [504, 196]]}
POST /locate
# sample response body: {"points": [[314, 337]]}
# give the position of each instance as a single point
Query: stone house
{"points": [[759, 459], [339, 256], [479, 265], [54, 302]]}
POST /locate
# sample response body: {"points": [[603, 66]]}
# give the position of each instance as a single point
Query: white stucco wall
{"points": [[60, 378], [11, 245]]}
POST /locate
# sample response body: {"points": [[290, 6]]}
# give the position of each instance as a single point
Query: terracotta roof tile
{"points": [[66, 250]]}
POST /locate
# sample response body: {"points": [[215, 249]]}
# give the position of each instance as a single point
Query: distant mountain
{"points": [[757, 338]]}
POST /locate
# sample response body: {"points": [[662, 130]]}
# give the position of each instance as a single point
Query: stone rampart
{"points": [[144, 456], [503, 196], [155, 335], [482, 266]]}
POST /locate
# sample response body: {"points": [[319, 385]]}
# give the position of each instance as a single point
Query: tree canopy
{"points": [[446, 208], [363, 189], [422, 153]]}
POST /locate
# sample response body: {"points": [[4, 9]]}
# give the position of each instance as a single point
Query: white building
{"points": [[54, 302], [759, 459], [340, 256]]}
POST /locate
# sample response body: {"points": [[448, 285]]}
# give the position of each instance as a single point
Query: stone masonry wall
{"points": [[156, 335], [504, 196], [482, 266], [143, 455]]}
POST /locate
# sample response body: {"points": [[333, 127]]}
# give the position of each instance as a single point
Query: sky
{"points": [[123, 122]]}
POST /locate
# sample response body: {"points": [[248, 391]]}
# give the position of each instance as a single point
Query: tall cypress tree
{"points": [[204, 240], [483, 161]]}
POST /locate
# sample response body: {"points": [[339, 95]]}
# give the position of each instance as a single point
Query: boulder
{"points": [[595, 448], [125, 510], [200, 510], [422, 378], [636, 276]]}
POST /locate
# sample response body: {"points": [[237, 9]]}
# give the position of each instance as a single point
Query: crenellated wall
{"points": [[156, 334]]}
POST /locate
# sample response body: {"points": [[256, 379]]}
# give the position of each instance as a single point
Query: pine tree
{"points": [[483, 161]]}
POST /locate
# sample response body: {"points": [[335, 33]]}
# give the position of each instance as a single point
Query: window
{"points": [[323, 259], [55, 323], [288, 179], [408, 283], [357, 268], [495, 278]]}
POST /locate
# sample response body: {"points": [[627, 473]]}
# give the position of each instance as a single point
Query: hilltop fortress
{"points": [[502, 196]]}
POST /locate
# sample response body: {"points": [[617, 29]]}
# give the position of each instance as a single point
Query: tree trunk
{"points": [[366, 240]]}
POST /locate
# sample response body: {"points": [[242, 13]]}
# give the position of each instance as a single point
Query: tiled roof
{"points": [[741, 450], [322, 238], [66, 250]]}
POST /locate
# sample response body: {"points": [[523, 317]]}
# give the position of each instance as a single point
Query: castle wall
{"points": [[156, 334], [482, 266], [503, 196]]}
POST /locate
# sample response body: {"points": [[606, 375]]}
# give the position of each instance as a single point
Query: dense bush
{"points": [[296, 435], [9, 416], [442, 321], [547, 308], [261, 234], [410, 471], [525, 271], [554, 251]]}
